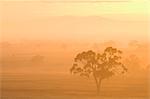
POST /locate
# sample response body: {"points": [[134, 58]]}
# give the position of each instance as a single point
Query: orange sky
{"points": [[77, 21]]}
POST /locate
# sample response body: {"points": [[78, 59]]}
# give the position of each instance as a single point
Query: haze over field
{"points": [[40, 39]]}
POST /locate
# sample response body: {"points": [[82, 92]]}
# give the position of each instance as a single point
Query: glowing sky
{"points": [[27, 19], [55, 8]]}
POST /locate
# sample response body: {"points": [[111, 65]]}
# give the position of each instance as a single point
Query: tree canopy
{"points": [[99, 65]]}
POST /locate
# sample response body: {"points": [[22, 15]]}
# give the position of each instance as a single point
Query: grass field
{"points": [[63, 86]]}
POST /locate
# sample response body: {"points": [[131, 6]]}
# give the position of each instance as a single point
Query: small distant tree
{"points": [[100, 66], [134, 65]]}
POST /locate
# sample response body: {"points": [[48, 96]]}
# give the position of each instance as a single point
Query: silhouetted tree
{"points": [[100, 66]]}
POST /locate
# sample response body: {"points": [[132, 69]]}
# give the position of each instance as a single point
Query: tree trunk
{"points": [[98, 84], [98, 87]]}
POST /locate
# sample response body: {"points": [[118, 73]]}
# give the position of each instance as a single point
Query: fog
{"points": [[39, 42]]}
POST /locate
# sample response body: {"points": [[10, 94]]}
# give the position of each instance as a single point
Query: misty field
{"points": [[47, 45], [64, 86]]}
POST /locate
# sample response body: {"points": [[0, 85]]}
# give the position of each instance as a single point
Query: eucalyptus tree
{"points": [[98, 65]]}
